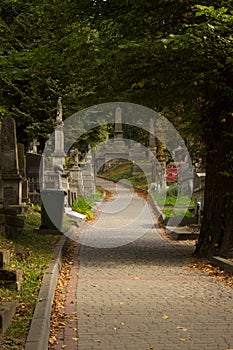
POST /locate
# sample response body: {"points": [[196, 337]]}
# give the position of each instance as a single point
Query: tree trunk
{"points": [[216, 236]]}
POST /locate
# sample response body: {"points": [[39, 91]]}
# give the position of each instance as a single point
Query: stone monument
{"points": [[118, 132], [59, 153], [11, 179], [88, 175]]}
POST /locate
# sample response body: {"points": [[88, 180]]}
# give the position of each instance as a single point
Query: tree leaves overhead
{"points": [[172, 56], [97, 51]]}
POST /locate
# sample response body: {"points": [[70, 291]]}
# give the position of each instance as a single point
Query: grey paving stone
{"points": [[144, 294]]}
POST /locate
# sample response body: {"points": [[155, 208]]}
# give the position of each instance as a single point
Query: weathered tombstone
{"points": [[88, 175], [11, 178], [7, 311], [54, 180], [185, 180], [75, 179], [32, 173]]}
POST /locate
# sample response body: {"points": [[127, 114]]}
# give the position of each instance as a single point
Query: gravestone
{"points": [[32, 173], [88, 175], [118, 132], [11, 177], [59, 154], [114, 150], [7, 311], [75, 179], [53, 179]]}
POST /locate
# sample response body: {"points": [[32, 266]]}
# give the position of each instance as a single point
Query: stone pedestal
{"points": [[11, 178], [12, 189]]}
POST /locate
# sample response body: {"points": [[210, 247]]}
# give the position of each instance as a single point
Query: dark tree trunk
{"points": [[216, 236]]}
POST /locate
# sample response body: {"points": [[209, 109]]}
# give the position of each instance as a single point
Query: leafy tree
{"points": [[178, 56], [172, 56]]}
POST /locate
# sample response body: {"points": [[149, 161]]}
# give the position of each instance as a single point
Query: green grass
{"points": [[123, 172], [84, 206], [162, 199], [31, 253], [176, 213]]}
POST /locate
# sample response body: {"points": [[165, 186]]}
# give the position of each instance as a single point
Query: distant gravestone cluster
{"points": [[23, 177]]}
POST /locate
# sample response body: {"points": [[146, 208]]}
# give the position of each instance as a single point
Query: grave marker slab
{"points": [[11, 178]]}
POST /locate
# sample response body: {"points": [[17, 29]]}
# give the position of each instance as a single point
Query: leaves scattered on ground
{"points": [[58, 316], [31, 254], [219, 276]]}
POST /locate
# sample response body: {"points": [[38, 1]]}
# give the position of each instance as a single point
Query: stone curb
{"points": [[224, 264], [38, 336], [156, 209]]}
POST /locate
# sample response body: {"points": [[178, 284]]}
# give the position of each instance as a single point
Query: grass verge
{"points": [[31, 253]]}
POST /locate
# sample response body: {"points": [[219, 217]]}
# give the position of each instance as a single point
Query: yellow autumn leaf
{"points": [[165, 317], [75, 339], [182, 339]]}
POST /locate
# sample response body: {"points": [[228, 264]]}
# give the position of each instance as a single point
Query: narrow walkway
{"points": [[143, 295]]}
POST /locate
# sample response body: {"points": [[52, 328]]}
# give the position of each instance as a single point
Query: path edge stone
{"points": [[38, 336], [222, 263]]}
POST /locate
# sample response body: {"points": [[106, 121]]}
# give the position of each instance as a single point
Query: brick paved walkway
{"points": [[144, 296]]}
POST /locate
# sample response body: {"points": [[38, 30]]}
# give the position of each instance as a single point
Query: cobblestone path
{"points": [[144, 295]]}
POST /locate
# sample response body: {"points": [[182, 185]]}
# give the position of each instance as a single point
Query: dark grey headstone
{"points": [[9, 152]]}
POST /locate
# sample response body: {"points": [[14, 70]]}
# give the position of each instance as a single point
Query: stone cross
{"points": [[33, 146], [76, 154], [118, 134]]}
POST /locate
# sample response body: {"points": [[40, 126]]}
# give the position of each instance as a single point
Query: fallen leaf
{"points": [[165, 317], [128, 288], [182, 339], [52, 340], [75, 339]]}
